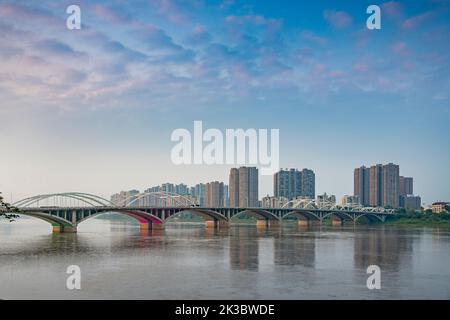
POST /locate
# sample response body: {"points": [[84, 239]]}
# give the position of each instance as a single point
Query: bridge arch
{"points": [[59, 224], [370, 217], [340, 214], [206, 214], [168, 198], [259, 214], [308, 215], [86, 198], [141, 216]]}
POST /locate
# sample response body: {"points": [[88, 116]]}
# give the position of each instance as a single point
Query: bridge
{"points": [[152, 210]]}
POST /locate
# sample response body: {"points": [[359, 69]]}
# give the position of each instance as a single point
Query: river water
{"points": [[117, 261]]}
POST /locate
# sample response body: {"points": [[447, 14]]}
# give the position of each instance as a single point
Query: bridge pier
{"points": [[336, 221], [211, 224], [262, 223], [151, 226], [303, 222], [64, 229], [273, 223], [315, 222]]}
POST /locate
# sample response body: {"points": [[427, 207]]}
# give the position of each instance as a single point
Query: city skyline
{"points": [[93, 109], [375, 186]]}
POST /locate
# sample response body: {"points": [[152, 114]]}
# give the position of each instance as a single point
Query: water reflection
{"points": [[194, 262]]}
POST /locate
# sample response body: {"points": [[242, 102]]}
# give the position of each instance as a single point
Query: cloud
{"points": [[160, 44], [173, 11], [112, 14], [338, 19], [29, 15], [416, 21], [392, 9], [199, 36], [314, 38], [400, 47], [58, 48]]}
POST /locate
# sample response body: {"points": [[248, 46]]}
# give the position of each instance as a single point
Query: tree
{"points": [[8, 211], [447, 207]]}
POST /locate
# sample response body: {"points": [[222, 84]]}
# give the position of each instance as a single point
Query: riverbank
{"points": [[420, 219]]}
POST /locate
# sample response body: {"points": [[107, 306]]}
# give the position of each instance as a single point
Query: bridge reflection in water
{"points": [[68, 210]]}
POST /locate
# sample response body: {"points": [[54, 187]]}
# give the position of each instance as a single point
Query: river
{"points": [[117, 261]]}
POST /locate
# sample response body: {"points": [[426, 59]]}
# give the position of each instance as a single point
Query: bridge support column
{"points": [[211, 224], [315, 222], [157, 226], [274, 223], [64, 229], [262, 223], [335, 221], [302, 222], [145, 226]]}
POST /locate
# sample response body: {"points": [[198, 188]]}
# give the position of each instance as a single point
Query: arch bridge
{"points": [[65, 211]]}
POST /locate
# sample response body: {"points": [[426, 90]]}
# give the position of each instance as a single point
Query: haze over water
{"points": [[243, 262]]}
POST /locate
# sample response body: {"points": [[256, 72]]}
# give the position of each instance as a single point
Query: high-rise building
{"points": [[381, 185], [168, 187], [391, 184], [273, 202], [124, 198], [376, 185], [243, 187], [324, 200], [410, 202], [234, 188], [308, 184], [214, 194], [349, 201], [287, 183], [361, 184], [406, 186], [292, 184], [181, 189], [199, 192]]}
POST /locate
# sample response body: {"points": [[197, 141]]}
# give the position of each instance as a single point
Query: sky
{"points": [[92, 110]]}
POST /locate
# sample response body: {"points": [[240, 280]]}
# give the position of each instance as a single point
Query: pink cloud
{"points": [[415, 21], [392, 9], [338, 19], [110, 14], [360, 67], [311, 36], [400, 47]]}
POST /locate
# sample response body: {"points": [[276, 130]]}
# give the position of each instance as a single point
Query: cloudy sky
{"points": [[92, 110]]}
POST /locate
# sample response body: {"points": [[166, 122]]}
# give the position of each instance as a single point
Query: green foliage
{"points": [[417, 217], [8, 211], [447, 208]]}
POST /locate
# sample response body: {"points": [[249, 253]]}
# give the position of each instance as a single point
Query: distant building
{"points": [[349, 201], [168, 187], [125, 197], [410, 202], [379, 185], [361, 184], [308, 183], [181, 189], [243, 187], [325, 199], [439, 207], [215, 194], [391, 185], [234, 188], [376, 185], [406, 186], [292, 183], [199, 192], [274, 202], [287, 183]]}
